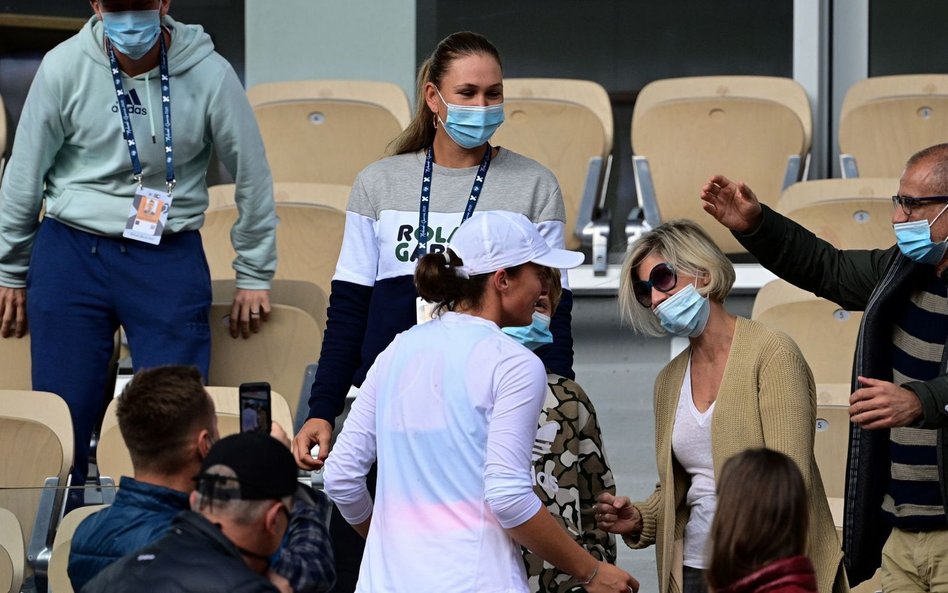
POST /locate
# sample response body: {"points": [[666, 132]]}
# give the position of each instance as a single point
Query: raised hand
{"points": [[732, 204]]}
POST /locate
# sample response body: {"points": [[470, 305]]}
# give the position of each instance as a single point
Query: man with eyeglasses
{"points": [[897, 476]]}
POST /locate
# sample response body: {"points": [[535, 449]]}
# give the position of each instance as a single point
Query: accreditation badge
{"points": [[148, 215]]}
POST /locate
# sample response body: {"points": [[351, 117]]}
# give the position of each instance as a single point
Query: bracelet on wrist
{"points": [[592, 576]]}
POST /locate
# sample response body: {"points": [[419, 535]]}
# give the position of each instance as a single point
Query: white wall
{"points": [[348, 39]]}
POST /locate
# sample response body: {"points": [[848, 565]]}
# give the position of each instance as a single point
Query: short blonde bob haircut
{"points": [[689, 250]]}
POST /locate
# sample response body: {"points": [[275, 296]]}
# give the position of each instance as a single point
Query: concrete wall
{"points": [[349, 39]]}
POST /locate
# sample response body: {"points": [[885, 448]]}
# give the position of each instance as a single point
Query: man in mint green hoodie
{"points": [[115, 138]]}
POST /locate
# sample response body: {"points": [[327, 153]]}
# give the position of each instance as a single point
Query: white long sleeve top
{"points": [[449, 411]]}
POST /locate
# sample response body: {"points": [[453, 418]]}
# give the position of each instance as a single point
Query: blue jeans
{"points": [[81, 287]]}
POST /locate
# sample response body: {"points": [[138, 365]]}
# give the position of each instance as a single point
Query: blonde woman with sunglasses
{"points": [[738, 385]]}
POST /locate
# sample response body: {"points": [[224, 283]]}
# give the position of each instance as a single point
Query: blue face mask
{"points": [[915, 241], [534, 335], [132, 32], [685, 313], [472, 126]]}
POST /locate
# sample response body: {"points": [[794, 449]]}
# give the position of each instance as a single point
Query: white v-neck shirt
{"points": [[691, 445]]}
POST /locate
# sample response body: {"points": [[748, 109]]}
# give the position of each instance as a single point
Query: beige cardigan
{"points": [[766, 399]]}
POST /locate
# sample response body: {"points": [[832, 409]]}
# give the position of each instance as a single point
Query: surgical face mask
{"points": [[685, 313], [534, 335], [132, 32], [471, 126], [915, 241]]}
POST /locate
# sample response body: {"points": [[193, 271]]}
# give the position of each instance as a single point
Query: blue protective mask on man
{"points": [[471, 125], [915, 241], [685, 313], [132, 32], [534, 335]]}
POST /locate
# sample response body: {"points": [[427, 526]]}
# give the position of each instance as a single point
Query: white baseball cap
{"points": [[494, 240]]}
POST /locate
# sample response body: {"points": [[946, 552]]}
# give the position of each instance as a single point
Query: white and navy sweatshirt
{"points": [[373, 293]]}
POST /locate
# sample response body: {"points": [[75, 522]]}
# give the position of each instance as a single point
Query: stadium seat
{"points": [[886, 119], [278, 354], [326, 194], [59, 562], [831, 446], [15, 364], [326, 131], [849, 213], [37, 441], [309, 238], [113, 458], [686, 129], [825, 333], [566, 125], [295, 293], [12, 555]]}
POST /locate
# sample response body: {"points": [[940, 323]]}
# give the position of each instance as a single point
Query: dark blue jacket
{"points": [[141, 514]]}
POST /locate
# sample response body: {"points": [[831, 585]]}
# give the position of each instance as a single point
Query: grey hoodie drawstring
{"points": [[151, 122]]}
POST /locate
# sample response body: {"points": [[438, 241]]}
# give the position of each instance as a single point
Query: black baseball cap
{"points": [[264, 467]]}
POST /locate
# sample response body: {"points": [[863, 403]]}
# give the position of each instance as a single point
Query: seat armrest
{"points": [[848, 167], [589, 202], [645, 189], [40, 548], [792, 173]]}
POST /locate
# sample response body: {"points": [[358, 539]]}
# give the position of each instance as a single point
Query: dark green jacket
{"points": [[878, 282]]}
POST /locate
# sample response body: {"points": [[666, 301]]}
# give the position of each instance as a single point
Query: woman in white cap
{"points": [[449, 411]]}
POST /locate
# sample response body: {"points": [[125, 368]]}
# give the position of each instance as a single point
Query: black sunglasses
{"points": [[907, 204], [663, 278]]}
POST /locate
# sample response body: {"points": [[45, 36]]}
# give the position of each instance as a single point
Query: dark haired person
{"points": [[738, 385], [896, 506], [239, 512], [759, 533], [569, 460], [118, 128], [450, 409], [168, 423]]}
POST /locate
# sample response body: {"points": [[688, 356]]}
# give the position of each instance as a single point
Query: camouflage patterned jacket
{"points": [[570, 470]]}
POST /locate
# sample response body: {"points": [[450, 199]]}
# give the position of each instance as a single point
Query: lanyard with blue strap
{"points": [[165, 113], [426, 196], [148, 215]]}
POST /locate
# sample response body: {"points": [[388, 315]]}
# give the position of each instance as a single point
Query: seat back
{"points": [[831, 446], [295, 293], [112, 455], [688, 141], [59, 561], [309, 238], [785, 91], [15, 363], [886, 119], [37, 440], [327, 131], [849, 213], [326, 194], [825, 333], [562, 136], [278, 354], [12, 553]]}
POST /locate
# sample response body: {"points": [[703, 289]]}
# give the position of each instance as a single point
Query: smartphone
{"points": [[255, 407]]}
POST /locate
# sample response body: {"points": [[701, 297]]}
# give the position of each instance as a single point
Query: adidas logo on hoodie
{"points": [[133, 106]]}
